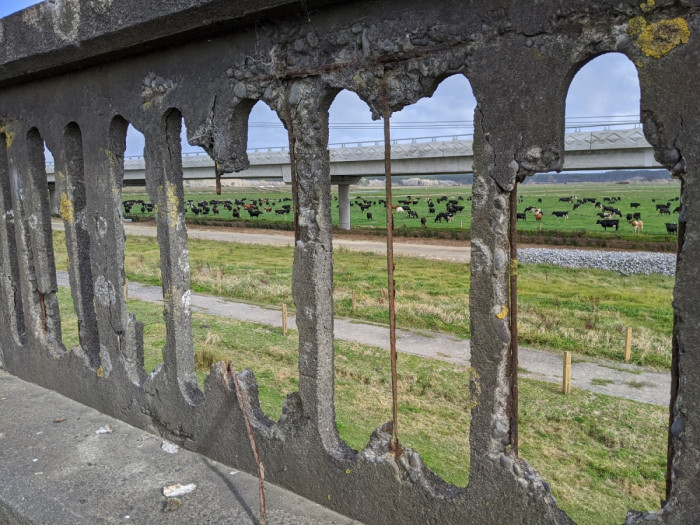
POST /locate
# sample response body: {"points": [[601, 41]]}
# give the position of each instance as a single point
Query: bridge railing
{"points": [[74, 75], [605, 126]]}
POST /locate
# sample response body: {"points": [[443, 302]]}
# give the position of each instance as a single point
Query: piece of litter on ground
{"points": [[170, 448], [35, 460], [40, 433], [107, 429], [234, 472], [171, 491], [59, 420]]}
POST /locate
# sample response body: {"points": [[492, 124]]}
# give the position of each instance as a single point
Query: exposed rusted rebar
{"points": [[253, 443], [395, 446], [218, 177], [293, 167], [675, 372], [512, 366], [42, 305]]}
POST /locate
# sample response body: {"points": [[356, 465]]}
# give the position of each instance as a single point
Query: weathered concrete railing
{"points": [[75, 73]]}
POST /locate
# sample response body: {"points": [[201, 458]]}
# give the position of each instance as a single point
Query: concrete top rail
{"points": [[56, 36]]}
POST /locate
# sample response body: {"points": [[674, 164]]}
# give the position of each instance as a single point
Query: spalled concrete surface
{"points": [[56, 469], [595, 375]]}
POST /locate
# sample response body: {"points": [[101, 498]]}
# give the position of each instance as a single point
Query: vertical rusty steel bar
{"points": [[395, 447], [253, 443], [512, 367], [675, 370], [218, 174], [293, 167]]}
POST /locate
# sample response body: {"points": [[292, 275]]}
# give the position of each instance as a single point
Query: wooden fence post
{"points": [[284, 319], [566, 380], [628, 345]]}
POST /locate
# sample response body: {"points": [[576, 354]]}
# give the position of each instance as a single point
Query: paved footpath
{"points": [[600, 376]]}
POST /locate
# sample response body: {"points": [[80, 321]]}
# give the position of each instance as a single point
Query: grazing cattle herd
{"points": [[442, 209], [607, 212]]}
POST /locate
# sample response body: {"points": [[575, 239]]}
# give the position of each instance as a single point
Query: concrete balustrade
{"points": [[75, 73]]}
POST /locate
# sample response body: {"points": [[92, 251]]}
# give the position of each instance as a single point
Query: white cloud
{"points": [[606, 86]]}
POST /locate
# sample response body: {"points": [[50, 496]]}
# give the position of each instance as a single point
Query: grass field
{"points": [[581, 222], [602, 455], [581, 310]]}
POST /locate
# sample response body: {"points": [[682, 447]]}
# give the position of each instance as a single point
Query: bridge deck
{"points": [[61, 471]]}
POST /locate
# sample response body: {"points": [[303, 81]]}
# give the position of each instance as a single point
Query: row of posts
{"points": [[566, 375]]}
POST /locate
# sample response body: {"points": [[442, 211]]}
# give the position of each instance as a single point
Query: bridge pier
{"points": [[344, 199], [344, 206], [53, 199]]}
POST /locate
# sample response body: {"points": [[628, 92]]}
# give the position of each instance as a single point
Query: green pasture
{"points": [[581, 222]]}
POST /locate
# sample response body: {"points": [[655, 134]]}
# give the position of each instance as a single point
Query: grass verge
{"points": [[580, 310]]}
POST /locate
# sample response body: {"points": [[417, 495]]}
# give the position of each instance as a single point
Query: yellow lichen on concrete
{"points": [[100, 372], [659, 39], [476, 391], [116, 162], [636, 25], [503, 312], [173, 203], [514, 267], [9, 135], [647, 6], [65, 209]]}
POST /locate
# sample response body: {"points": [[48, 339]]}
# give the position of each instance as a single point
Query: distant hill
{"points": [[569, 177], [565, 177]]}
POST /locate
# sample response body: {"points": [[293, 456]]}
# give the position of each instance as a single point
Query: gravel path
{"points": [[627, 263]]}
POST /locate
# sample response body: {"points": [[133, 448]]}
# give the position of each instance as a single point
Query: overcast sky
{"points": [[606, 87]]}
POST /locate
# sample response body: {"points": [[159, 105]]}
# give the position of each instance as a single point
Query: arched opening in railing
{"points": [[602, 454], [431, 296]]}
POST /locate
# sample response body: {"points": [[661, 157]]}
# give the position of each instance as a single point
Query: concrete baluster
{"points": [[312, 284], [164, 185], [119, 332], [34, 243], [13, 315], [70, 191]]}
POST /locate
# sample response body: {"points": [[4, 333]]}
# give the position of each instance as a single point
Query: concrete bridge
{"points": [[74, 74], [591, 150]]}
